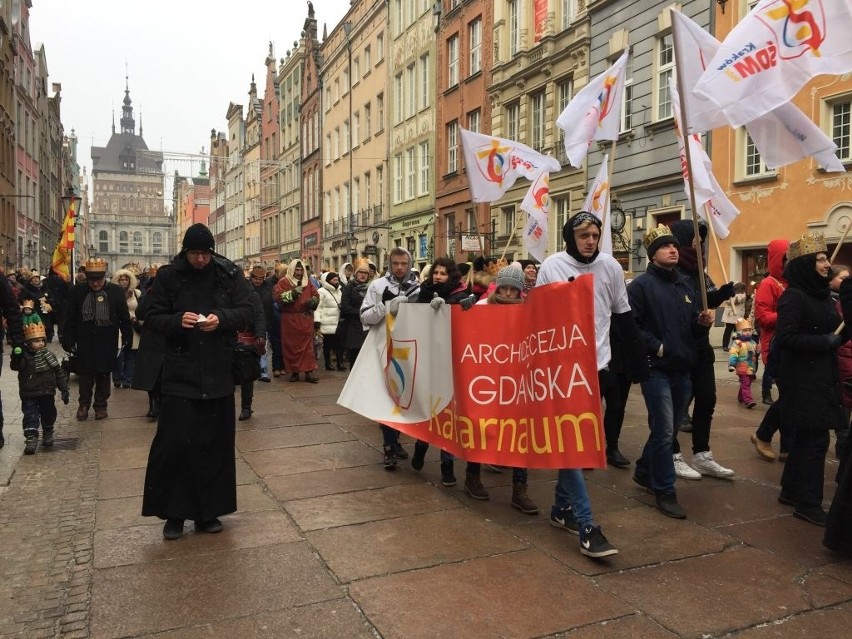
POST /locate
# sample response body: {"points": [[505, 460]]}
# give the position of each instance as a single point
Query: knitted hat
{"points": [[511, 276], [657, 237], [329, 275], [581, 218], [198, 238]]}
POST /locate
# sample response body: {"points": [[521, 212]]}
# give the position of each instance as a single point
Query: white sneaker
{"points": [[706, 465], [684, 470]]}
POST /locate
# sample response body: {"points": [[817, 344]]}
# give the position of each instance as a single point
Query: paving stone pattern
{"points": [[327, 544]]}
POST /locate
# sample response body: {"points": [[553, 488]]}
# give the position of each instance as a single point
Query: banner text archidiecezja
{"points": [[513, 385]]}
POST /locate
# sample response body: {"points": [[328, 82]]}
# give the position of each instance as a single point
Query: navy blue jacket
{"points": [[666, 311]]}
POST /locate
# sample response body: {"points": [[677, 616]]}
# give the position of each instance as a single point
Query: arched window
{"points": [[103, 242], [137, 242], [122, 242], [157, 243]]}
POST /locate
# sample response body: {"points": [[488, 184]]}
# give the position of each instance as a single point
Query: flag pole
{"points": [[508, 243], [715, 241], [609, 186], [702, 284], [840, 243]]}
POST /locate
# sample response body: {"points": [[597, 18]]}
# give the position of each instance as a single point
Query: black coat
{"points": [[151, 351], [807, 365], [38, 384], [350, 312], [265, 293], [198, 365], [96, 346], [10, 310]]}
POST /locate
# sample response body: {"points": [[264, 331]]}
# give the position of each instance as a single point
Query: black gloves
{"points": [[834, 341], [726, 291], [66, 397]]}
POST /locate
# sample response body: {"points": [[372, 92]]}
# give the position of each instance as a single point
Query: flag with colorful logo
{"points": [[536, 203], [597, 203], [493, 164], [61, 263], [782, 136], [710, 199], [594, 113], [773, 52]]}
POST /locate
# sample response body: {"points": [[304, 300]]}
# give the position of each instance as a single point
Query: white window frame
{"points": [[368, 113], [569, 14], [508, 218], [513, 23], [410, 173], [411, 91], [663, 70], [452, 60], [399, 102], [425, 161], [627, 114], [538, 124], [512, 129], [425, 83], [474, 121], [564, 93], [752, 164], [474, 35], [397, 178], [840, 126], [453, 146]]}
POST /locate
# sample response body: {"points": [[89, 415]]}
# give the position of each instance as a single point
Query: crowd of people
{"points": [[181, 333]]}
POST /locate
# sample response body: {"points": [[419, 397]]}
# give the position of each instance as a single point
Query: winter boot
{"points": [[245, 413], [390, 457], [47, 438], [767, 398], [83, 413], [31, 445], [474, 488], [521, 500]]}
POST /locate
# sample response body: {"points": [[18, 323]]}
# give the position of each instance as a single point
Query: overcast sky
{"points": [[186, 59]]}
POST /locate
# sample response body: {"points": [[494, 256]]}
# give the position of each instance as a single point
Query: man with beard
{"points": [[198, 303]]}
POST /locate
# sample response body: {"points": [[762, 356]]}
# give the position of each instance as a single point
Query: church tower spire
{"points": [[128, 125]]}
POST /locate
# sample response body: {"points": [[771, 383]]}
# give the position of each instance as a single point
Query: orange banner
{"points": [[61, 263], [525, 384]]}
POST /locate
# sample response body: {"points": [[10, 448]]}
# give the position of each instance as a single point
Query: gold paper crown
{"points": [[744, 325], [661, 231], [28, 303], [96, 265], [807, 245], [33, 331]]}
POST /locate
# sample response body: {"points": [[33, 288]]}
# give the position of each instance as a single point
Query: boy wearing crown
{"points": [[743, 360], [39, 375]]}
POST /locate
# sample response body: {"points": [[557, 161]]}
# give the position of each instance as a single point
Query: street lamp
{"points": [[352, 244], [351, 240]]}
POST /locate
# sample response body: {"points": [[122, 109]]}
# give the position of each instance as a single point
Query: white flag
{"points": [[597, 203], [783, 136], [537, 205], [709, 195], [493, 164], [774, 51], [594, 113]]}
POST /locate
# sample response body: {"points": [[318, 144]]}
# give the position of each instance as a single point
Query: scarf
{"points": [[44, 360], [96, 308]]}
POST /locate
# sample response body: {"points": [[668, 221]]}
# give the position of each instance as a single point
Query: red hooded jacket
{"points": [[767, 294]]}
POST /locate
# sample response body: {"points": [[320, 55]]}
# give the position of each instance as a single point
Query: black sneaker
{"points": [[399, 451], [419, 456], [594, 544], [616, 459], [389, 458], [564, 518], [643, 481], [668, 505], [173, 529], [448, 476], [814, 514]]}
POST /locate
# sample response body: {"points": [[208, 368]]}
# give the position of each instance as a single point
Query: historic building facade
{"points": [[251, 174], [270, 150], [8, 163], [285, 228], [411, 105], [128, 223], [462, 78], [233, 222], [311, 154]]}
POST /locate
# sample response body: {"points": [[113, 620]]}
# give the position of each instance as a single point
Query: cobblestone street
{"points": [[327, 544]]}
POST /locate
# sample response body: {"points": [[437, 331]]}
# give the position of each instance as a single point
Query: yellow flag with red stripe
{"points": [[61, 263]]}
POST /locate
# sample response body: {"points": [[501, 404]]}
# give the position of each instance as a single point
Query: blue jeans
{"points": [[571, 491], [38, 410], [666, 394]]}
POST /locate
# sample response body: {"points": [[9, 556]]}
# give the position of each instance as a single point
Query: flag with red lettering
{"points": [[773, 52], [493, 164], [782, 136], [710, 199], [597, 203], [523, 393], [536, 204], [594, 113]]}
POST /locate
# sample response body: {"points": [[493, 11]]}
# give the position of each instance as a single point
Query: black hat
{"points": [[198, 238], [657, 237], [464, 268], [578, 220], [684, 231]]}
